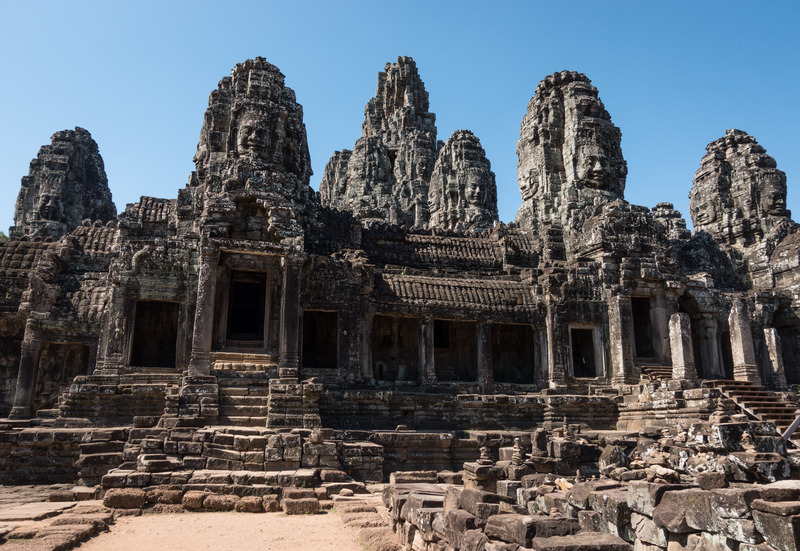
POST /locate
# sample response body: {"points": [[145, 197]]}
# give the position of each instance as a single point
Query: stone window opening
{"points": [[513, 353], [395, 348], [155, 334], [320, 348], [456, 350]]}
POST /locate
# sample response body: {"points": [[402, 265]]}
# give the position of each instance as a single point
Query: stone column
{"points": [[365, 344], [200, 359], [743, 351], [26, 377], [485, 368], [710, 353], [540, 370], [427, 365], [660, 321], [775, 357], [680, 338], [557, 343], [289, 357], [620, 335]]}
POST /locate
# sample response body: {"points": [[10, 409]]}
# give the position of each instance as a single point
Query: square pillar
{"points": [[775, 358], [680, 337], [557, 344], [660, 320], [540, 371], [26, 377], [710, 350], [427, 365], [288, 356], [365, 344], [620, 335], [200, 359], [743, 351], [485, 368]]}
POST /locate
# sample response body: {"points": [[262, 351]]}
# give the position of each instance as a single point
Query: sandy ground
{"points": [[222, 531]]}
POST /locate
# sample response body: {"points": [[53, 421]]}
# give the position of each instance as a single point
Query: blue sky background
{"points": [[673, 75]]}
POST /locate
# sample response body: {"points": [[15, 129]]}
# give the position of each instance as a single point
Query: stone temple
{"points": [[390, 322]]}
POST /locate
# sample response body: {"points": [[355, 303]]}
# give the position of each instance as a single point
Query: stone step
{"points": [[242, 420], [242, 400]]}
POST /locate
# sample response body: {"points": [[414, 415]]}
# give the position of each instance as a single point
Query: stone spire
{"points": [[570, 159], [463, 192], [386, 175], [253, 142], [66, 184], [738, 198], [738, 195]]}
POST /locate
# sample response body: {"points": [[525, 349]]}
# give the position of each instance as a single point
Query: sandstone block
{"points": [[302, 506], [193, 500], [124, 498], [249, 504], [224, 502]]}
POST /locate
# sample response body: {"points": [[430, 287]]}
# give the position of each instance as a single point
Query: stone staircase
{"points": [[758, 402], [243, 397], [653, 372]]}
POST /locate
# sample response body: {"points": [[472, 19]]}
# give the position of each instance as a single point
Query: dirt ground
{"points": [[222, 531]]}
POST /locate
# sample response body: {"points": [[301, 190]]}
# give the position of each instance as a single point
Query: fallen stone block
{"points": [[270, 503], [585, 541], [249, 504], [193, 500], [643, 497], [164, 496], [780, 531], [521, 529], [225, 502], [125, 498], [302, 506]]}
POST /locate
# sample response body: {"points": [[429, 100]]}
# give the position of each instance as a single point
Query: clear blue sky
{"points": [[673, 75]]}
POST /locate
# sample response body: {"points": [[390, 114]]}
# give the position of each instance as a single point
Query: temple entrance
{"points": [[512, 353], [455, 350], [642, 327], [155, 334], [246, 308], [395, 348], [320, 339], [584, 363]]}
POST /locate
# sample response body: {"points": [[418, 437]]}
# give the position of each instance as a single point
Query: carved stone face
{"points": [[475, 192], [434, 201], [51, 207], [251, 136], [773, 195], [528, 177], [704, 211], [592, 167]]}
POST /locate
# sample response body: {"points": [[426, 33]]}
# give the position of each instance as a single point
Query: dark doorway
{"points": [[395, 348], [246, 308], [512, 353], [320, 336], [727, 353], [155, 334], [642, 328], [583, 360], [455, 350], [790, 348]]}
